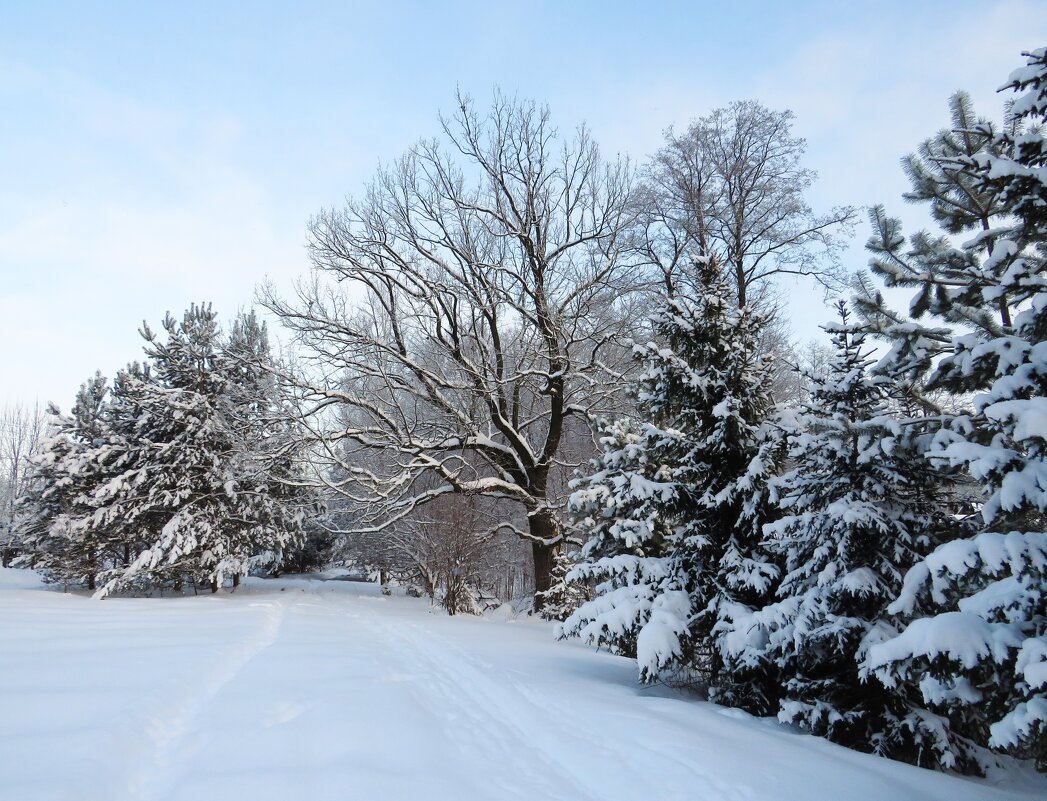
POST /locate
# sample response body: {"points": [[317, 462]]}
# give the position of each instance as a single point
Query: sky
{"points": [[155, 155]]}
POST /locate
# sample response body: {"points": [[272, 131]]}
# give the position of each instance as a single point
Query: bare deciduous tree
{"points": [[21, 429], [493, 267], [733, 187], [448, 553]]}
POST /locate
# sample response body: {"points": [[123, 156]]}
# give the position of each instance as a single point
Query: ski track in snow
{"points": [[170, 730], [479, 719], [520, 724], [319, 690]]}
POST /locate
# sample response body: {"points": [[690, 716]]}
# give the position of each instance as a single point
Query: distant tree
{"points": [[732, 187], [21, 430], [316, 551], [493, 271]]}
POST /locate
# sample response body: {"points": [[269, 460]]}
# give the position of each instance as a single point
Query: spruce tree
{"points": [[857, 514], [563, 597], [976, 639], [627, 509], [674, 511]]}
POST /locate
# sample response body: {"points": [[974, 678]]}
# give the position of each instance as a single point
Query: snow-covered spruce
{"points": [[563, 597], [625, 508], [860, 507], [976, 640], [674, 509]]}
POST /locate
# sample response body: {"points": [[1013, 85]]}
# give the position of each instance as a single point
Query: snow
{"points": [[300, 688], [961, 636]]}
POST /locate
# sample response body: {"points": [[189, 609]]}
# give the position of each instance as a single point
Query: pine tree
{"points": [[976, 640], [268, 449], [674, 511], [180, 447], [189, 469], [858, 511], [948, 280], [956, 199], [211, 477]]}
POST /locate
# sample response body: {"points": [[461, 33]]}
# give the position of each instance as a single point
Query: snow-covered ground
{"points": [[305, 689]]}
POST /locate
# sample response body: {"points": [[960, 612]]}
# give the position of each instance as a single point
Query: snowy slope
{"points": [[303, 689]]}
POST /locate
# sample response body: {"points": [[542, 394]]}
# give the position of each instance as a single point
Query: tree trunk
{"points": [[545, 527], [739, 277], [93, 562], [236, 580], [214, 586]]}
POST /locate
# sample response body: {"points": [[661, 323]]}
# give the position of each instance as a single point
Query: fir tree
{"points": [[563, 597], [858, 513], [976, 640], [675, 508]]}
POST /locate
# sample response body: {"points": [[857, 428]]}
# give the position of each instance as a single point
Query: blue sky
{"points": [[154, 155]]}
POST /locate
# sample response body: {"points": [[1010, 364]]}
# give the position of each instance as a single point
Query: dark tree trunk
{"points": [[236, 580], [214, 585], [545, 527], [739, 277], [92, 576]]}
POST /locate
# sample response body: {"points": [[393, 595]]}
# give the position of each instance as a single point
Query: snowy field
{"points": [[300, 689]]}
